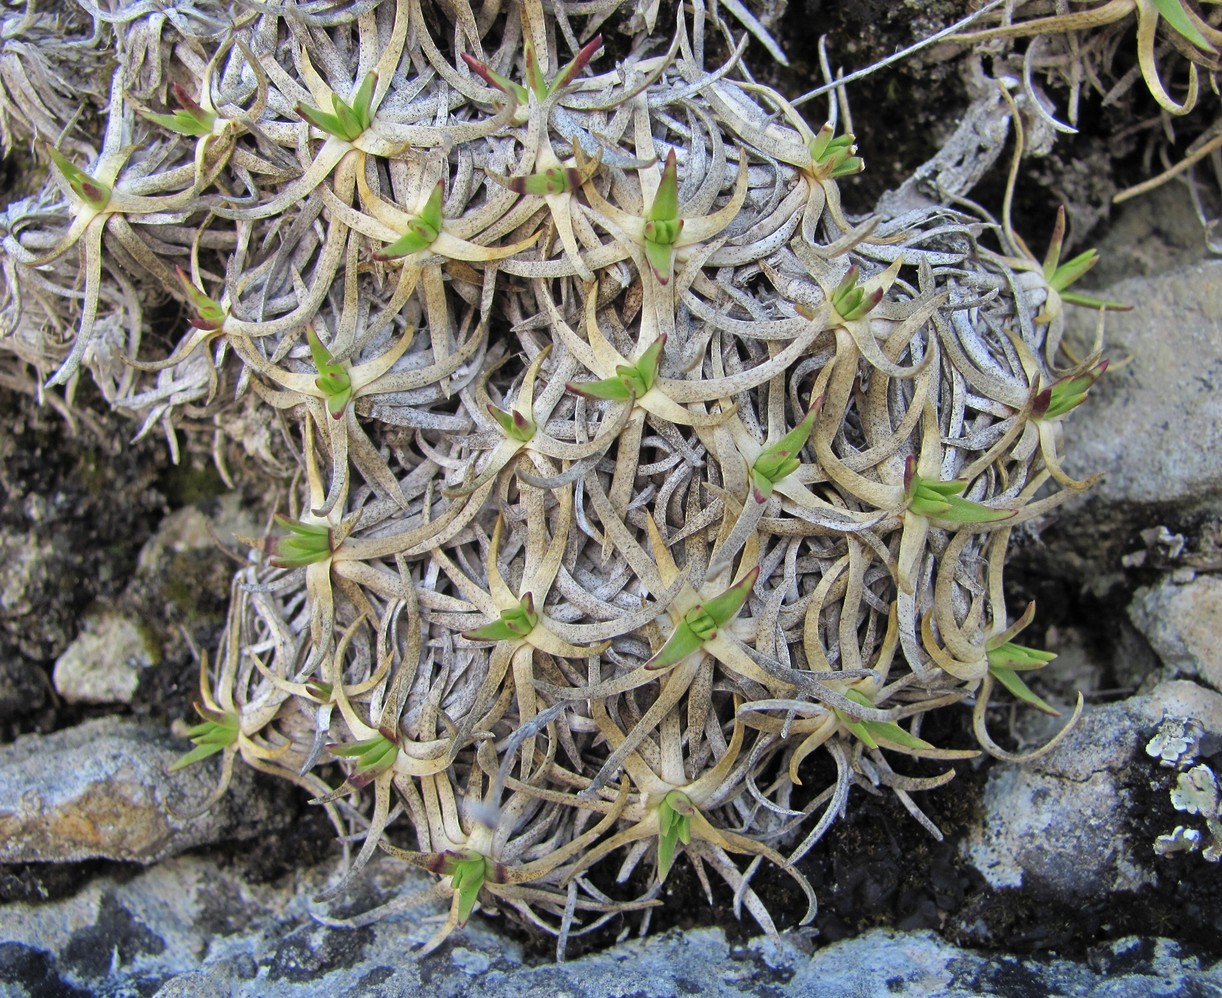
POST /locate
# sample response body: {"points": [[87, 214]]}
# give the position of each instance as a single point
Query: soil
{"points": [[101, 499]]}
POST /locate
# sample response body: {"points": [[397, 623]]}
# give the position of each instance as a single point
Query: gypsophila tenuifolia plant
{"points": [[635, 501]]}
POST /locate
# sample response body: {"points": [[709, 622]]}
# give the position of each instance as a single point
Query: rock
{"points": [[1058, 821], [1164, 402], [1182, 698], [185, 928], [1183, 623], [198, 528], [30, 615], [22, 558], [104, 663], [101, 790]]}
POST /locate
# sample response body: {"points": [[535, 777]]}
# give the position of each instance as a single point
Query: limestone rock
{"points": [[1058, 820], [1165, 401], [104, 663], [1183, 698], [186, 928], [1183, 623], [101, 790]]}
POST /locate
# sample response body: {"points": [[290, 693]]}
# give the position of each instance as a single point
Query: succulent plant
{"points": [[669, 473]]}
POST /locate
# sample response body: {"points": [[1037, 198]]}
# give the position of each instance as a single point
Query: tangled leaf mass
{"points": [[630, 471]]}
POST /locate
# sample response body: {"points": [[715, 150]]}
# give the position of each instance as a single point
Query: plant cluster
{"points": [[645, 502]]}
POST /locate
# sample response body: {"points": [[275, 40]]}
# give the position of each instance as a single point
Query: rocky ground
{"points": [[1085, 873]]}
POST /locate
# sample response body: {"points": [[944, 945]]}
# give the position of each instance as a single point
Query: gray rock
{"points": [[1183, 623], [30, 617], [1058, 821], [1182, 698], [103, 664], [22, 557], [193, 984], [1164, 403], [184, 928], [102, 790]]}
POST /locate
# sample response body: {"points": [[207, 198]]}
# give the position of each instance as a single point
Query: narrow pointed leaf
{"points": [[1067, 273], [1014, 656], [362, 101], [196, 124], [1173, 12], [609, 389], [514, 623], [419, 236], [856, 728], [496, 80], [892, 732], [579, 62], [374, 755], [1052, 258], [724, 608], [534, 75], [1014, 683], [208, 313], [682, 642], [661, 259], [93, 192], [305, 544], [218, 731], [514, 423], [322, 120], [665, 207]]}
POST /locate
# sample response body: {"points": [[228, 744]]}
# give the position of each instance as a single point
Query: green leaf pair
{"points": [[513, 625], [539, 86], [629, 382], [701, 623], [1007, 659], [422, 230], [674, 826], [373, 756], [1066, 394], [517, 426], [349, 120], [215, 733], [468, 871], [209, 315], [93, 192], [333, 379], [1060, 275], [941, 500], [868, 732], [851, 301], [305, 544], [663, 225], [779, 460], [831, 156], [192, 120]]}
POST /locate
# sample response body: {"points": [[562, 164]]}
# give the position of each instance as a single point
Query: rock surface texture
{"points": [[187, 930], [1164, 403], [101, 791]]}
